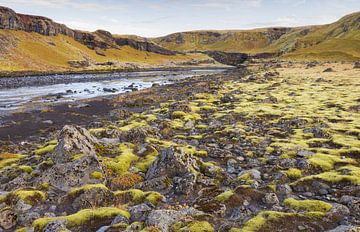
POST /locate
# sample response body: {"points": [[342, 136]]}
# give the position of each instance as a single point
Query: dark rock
{"points": [[357, 65], [329, 70], [139, 212]]}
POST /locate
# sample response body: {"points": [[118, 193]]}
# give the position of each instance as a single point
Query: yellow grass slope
{"points": [[24, 51]]}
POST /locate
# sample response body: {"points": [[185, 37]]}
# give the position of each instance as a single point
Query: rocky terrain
{"points": [[274, 147]]}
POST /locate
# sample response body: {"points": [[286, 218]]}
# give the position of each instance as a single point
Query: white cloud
{"points": [[88, 6]]}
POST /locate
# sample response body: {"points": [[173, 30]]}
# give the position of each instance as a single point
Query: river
{"points": [[40, 90]]}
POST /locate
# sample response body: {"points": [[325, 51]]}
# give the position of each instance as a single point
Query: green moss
{"points": [[137, 196], [121, 164], [97, 175], [96, 131], [308, 205], [178, 114], [144, 163], [154, 197], [195, 226], [78, 156], [224, 196], [8, 158], [45, 149], [260, 220], [293, 173], [247, 178], [28, 196], [352, 175], [82, 217], [133, 124], [87, 187], [26, 168], [326, 162]]}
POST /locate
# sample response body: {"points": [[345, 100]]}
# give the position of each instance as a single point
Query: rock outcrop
{"points": [[10, 20]]}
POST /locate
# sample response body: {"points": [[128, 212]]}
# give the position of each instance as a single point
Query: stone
{"points": [[176, 165], [7, 219], [139, 212], [271, 199], [74, 140], [329, 70], [56, 226]]}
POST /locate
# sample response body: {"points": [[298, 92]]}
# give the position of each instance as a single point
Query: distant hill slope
{"points": [[35, 43], [339, 40]]}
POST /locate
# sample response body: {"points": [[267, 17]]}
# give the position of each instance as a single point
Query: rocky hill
{"points": [[35, 43], [339, 40], [45, 26]]}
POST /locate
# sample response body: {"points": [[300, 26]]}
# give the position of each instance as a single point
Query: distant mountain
{"points": [[35, 43], [339, 40]]}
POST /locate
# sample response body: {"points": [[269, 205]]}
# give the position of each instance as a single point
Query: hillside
{"points": [[34, 43], [339, 40]]}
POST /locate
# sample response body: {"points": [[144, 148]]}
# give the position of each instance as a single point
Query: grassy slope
{"points": [[252, 41], [336, 41], [23, 51]]}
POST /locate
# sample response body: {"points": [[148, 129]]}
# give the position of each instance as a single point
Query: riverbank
{"points": [[106, 71], [34, 124]]}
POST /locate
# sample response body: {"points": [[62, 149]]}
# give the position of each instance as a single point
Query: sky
{"points": [[153, 18]]}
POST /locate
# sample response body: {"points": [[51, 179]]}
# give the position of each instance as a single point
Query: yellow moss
{"points": [[353, 175], [308, 205], [138, 196], [29, 196], [247, 178], [8, 158], [26, 168], [133, 124], [96, 131], [145, 162], [46, 149], [293, 173], [97, 175], [82, 217], [195, 226], [260, 220], [78, 156], [224, 196], [326, 162], [121, 164]]}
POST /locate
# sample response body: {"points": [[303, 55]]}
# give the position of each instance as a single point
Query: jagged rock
{"points": [[74, 140], [338, 212], [67, 172], [7, 219], [163, 219], [56, 226], [139, 212], [177, 166], [65, 176], [135, 135]]}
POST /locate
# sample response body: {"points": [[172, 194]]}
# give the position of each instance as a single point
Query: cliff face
{"points": [[10, 20]]}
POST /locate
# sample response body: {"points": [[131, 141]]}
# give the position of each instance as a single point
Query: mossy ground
{"points": [[312, 120]]}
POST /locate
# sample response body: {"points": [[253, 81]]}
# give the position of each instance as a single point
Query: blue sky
{"points": [[160, 17]]}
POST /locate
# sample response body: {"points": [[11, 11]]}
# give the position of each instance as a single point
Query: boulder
{"points": [[176, 165], [70, 171]]}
